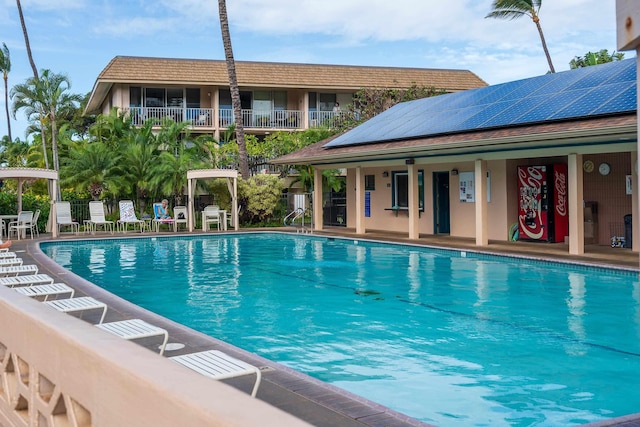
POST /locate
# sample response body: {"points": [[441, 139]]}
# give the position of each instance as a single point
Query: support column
{"points": [[190, 213], [360, 229], [318, 213], [414, 206], [482, 233], [575, 189], [635, 232]]}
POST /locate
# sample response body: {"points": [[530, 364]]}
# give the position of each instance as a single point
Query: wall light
{"points": [[385, 174], [209, 94], [454, 171]]}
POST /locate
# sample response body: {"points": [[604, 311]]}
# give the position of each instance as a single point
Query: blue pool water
{"points": [[450, 338]]}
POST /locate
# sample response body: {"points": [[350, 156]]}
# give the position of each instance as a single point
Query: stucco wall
{"points": [[56, 369]]}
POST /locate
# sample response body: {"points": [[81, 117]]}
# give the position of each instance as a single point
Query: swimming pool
{"points": [[452, 338]]}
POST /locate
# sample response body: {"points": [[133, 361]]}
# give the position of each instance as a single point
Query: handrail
{"points": [[290, 220]]}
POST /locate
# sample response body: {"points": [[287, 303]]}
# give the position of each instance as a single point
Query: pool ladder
{"points": [[296, 219]]}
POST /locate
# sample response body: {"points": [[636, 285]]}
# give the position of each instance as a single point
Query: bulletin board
{"points": [[468, 187]]}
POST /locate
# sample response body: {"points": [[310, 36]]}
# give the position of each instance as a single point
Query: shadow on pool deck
{"points": [[311, 400]]}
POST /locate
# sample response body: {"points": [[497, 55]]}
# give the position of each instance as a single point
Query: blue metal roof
{"points": [[582, 93]]}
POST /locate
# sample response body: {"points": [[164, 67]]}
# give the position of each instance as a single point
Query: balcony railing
{"points": [[257, 119]]}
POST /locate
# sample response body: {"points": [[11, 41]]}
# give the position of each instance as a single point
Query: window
{"points": [[135, 96], [327, 101], [400, 190], [154, 97], [193, 97], [369, 182], [175, 98]]}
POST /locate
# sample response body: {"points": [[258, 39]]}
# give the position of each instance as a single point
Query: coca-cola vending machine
{"points": [[542, 211]]}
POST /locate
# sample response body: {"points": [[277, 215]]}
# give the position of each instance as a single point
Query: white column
{"points": [[575, 185], [635, 232], [359, 201], [190, 213], [482, 234], [414, 206], [317, 200]]}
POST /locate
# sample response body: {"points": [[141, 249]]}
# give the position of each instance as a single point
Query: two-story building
{"points": [[274, 96]]}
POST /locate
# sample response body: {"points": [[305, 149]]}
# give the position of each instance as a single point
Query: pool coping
{"points": [[324, 404]]}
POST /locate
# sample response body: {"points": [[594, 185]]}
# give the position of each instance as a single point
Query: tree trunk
{"points": [[544, 46], [6, 106], [235, 91], [44, 141], [26, 40]]}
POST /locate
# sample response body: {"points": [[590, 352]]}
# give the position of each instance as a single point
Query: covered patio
{"points": [[231, 177], [26, 174]]}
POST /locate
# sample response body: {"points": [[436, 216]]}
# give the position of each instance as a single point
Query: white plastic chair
{"points": [[128, 216], [180, 214], [64, 219], [96, 213], [210, 215], [22, 224], [157, 221]]}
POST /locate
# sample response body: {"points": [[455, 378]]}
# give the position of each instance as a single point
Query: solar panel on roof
{"points": [[584, 92]]}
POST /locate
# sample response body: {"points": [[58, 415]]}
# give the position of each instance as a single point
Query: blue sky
{"points": [[80, 37]]}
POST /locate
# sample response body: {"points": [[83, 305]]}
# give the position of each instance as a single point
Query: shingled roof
{"points": [[128, 69]]}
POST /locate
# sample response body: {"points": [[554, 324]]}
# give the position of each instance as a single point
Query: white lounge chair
{"points": [[64, 219], [73, 305], [7, 254], [211, 215], [180, 214], [128, 216], [5, 262], [158, 221], [46, 290], [96, 213], [14, 270], [219, 366], [27, 280], [133, 329]]}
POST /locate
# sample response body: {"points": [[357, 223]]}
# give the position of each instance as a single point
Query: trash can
{"points": [[628, 228]]}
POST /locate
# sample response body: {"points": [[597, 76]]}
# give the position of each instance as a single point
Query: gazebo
{"points": [[230, 175], [23, 174]]}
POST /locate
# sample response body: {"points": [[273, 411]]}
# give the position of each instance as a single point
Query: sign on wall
{"points": [[467, 187]]}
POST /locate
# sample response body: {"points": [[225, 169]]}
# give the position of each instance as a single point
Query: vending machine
{"points": [[542, 211]]}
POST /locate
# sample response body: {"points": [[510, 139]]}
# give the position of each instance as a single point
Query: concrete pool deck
{"points": [[311, 400]]}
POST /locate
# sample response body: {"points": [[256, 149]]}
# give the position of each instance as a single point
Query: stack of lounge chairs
{"points": [[26, 280]]}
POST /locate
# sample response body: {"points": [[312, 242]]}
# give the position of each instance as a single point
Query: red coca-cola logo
{"points": [[531, 180], [561, 193]]}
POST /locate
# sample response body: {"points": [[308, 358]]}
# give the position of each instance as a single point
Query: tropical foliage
{"points": [[591, 58]]}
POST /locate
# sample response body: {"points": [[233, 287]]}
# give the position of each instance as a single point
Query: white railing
{"points": [[264, 119], [198, 117], [203, 117], [323, 118], [60, 370]]}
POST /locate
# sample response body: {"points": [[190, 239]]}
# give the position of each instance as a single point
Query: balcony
{"points": [[203, 118]]}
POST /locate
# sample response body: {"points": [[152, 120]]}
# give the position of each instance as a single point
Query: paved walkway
{"points": [[316, 402]]}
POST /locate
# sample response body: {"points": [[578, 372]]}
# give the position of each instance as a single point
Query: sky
{"points": [[79, 37]]}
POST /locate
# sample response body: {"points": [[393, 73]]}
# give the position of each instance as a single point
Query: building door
{"points": [[441, 202]]}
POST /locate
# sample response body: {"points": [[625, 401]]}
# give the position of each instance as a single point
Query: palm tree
{"points": [[90, 166], [26, 40], [235, 91], [48, 95], [5, 67], [514, 9], [141, 154], [27, 98]]}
